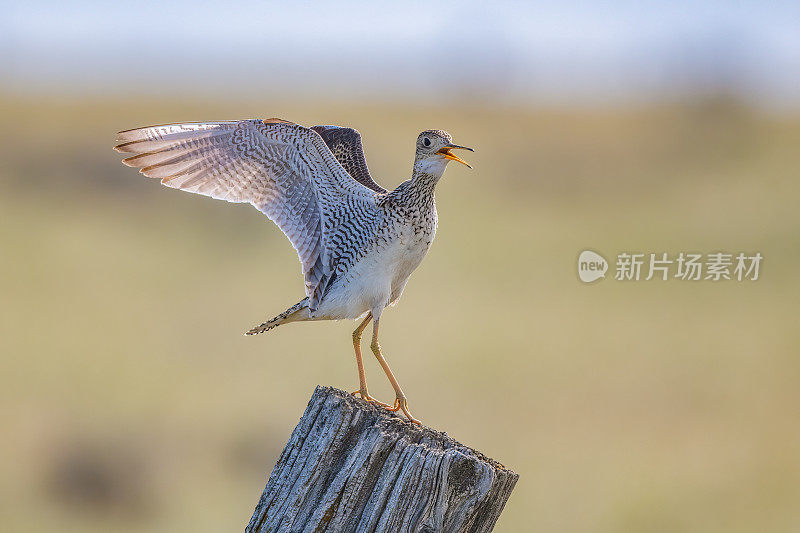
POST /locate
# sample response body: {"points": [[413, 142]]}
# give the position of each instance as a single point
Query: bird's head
{"points": [[434, 150]]}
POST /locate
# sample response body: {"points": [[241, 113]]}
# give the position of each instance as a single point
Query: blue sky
{"points": [[613, 51]]}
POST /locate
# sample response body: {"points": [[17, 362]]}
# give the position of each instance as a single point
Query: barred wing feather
{"points": [[285, 170], [345, 143]]}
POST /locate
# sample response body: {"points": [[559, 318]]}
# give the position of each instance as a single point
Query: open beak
{"points": [[449, 155]]}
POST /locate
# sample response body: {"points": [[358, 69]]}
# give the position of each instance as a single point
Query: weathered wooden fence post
{"points": [[352, 467]]}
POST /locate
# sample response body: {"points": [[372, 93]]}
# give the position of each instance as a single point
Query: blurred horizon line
{"points": [[523, 54], [685, 100]]}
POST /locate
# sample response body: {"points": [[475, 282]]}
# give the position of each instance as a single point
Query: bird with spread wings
{"points": [[357, 242]]}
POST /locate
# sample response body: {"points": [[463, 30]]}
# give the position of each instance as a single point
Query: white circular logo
{"points": [[591, 266]]}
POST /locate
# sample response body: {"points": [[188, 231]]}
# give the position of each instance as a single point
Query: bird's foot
{"points": [[401, 404], [365, 396]]}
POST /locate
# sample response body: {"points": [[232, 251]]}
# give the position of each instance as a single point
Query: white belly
{"points": [[376, 280]]}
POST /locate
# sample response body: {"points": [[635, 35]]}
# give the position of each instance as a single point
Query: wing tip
{"points": [[148, 173], [147, 133], [126, 147], [133, 134]]}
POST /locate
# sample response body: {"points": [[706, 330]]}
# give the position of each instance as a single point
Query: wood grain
{"points": [[351, 466]]}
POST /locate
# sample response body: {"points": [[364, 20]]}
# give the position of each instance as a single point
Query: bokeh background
{"points": [[129, 398]]}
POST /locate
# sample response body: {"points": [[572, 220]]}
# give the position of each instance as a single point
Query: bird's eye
{"points": [[426, 141]]}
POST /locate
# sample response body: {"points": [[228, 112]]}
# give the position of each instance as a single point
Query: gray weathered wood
{"points": [[351, 466]]}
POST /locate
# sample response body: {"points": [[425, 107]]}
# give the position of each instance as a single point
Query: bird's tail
{"points": [[296, 312]]}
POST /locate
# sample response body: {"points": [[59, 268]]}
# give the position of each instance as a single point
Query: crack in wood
{"points": [[351, 467]]}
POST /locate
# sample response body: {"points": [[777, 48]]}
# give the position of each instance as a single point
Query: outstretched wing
{"points": [[345, 143], [285, 170]]}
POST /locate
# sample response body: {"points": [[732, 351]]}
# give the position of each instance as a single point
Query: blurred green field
{"points": [[132, 401]]}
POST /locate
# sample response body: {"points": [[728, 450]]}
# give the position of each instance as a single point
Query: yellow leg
{"points": [[400, 402], [362, 378]]}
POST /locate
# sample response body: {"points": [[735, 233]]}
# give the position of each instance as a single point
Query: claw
{"points": [[365, 396], [402, 404]]}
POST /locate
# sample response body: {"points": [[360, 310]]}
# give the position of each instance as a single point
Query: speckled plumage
{"points": [[357, 242]]}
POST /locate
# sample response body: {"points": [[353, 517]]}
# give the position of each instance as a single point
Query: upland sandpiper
{"points": [[358, 243]]}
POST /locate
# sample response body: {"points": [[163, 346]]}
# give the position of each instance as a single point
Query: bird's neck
{"points": [[426, 175], [418, 192], [423, 183]]}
